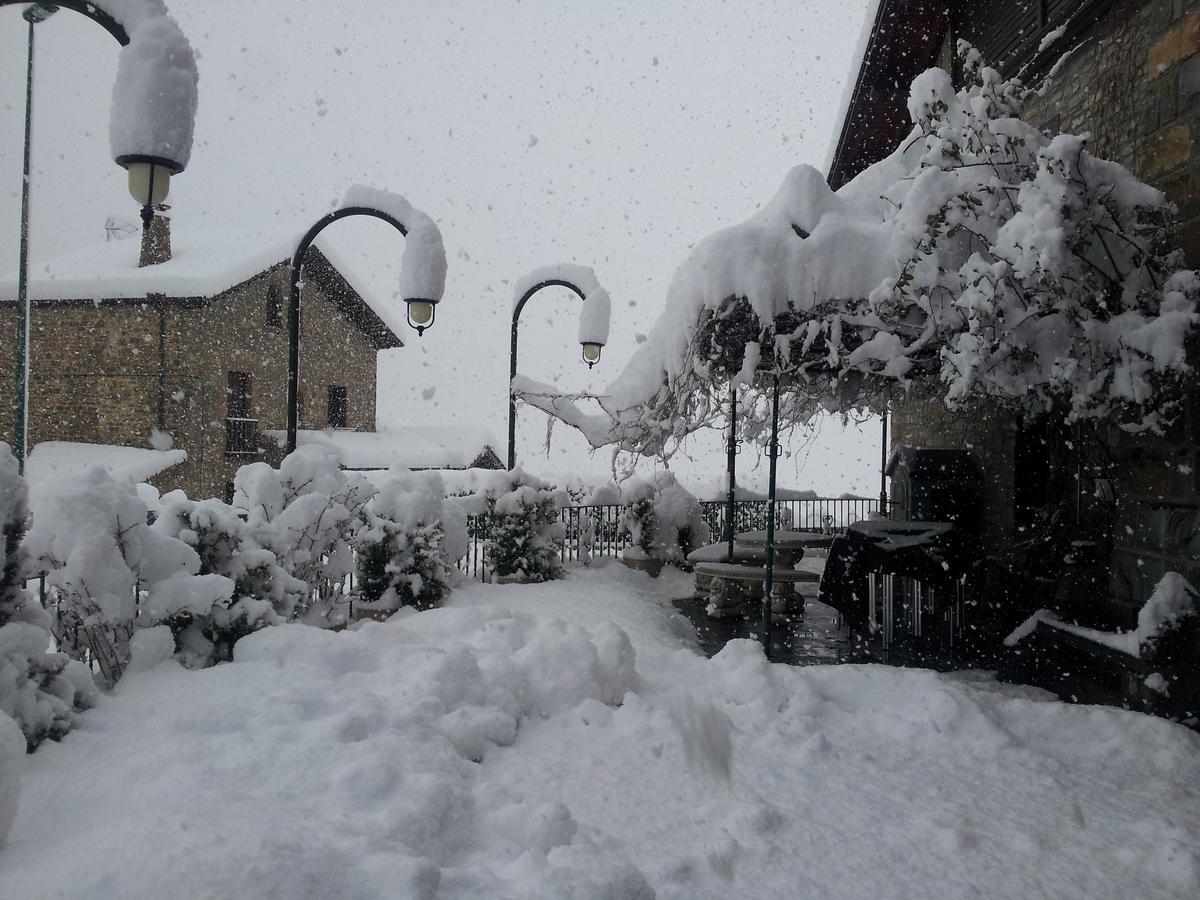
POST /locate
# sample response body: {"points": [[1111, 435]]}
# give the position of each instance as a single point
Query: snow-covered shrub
{"points": [[306, 512], [408, 545], [109, 571], [664, 521], [40, 690], [523, 529], [263, 593]]}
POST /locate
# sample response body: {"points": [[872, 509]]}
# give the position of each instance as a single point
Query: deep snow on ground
{"points": [[490, 750]]}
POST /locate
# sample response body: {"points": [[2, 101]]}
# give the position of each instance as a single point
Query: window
{"points": [[274, 307], [241, 430], [339, 406]]}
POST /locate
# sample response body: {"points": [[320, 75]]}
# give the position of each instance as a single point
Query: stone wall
{"points": [[97, 376]]}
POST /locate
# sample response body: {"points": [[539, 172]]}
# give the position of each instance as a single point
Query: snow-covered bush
{"points": [[40, 690], [523, 529], [263, 593], [408, 545], [664, 521], [109, 571], [306, 512]]}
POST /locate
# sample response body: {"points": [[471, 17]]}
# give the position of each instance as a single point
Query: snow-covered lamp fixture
{"points": [[154, 104], [591, 352], [149, 182]]}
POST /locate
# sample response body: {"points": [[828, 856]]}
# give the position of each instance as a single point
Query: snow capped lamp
{"points": [[593, 324], [154, 106]]}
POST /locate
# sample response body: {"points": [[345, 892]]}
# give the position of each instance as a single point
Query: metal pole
{"points": [[21, 426], [293, 376], [773, 453], [731, 468], [883, 460], [512, 359], [512, 400]]}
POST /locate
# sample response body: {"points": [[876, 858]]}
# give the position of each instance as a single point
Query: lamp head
{"points": [[591, 352], [421, 313], [149, 181]]}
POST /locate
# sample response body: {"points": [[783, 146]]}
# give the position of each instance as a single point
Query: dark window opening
{"points": [[339, 406], [241, 428], [274, 307]]}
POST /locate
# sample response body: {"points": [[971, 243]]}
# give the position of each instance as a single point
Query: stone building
{"points": [[192, 352], [1132, 81]]}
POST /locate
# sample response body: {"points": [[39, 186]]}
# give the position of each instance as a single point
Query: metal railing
{"points": [[596, 531]]}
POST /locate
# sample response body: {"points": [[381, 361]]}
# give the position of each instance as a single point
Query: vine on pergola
{"points": [[982, 258]]}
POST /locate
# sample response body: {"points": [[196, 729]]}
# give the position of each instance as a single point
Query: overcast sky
{"points": [[612, 134]]}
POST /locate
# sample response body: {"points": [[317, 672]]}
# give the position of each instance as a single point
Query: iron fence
{"points": [[596, 530]]}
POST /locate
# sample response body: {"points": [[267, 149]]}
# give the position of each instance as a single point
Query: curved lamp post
{"points": [[421, 309], [157, 144], [593, 326]]}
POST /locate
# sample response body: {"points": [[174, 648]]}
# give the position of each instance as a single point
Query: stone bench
{"points": [[730, 585]]}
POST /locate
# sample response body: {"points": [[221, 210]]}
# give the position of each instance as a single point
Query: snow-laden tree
{"points": [[982, 258], [306, 513], [40, 690], [408, 544]]}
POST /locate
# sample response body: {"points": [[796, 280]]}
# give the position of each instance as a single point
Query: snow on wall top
{"points": [[52, 461], [423, 263], [416, 447], [596, 311], [155, 93]]}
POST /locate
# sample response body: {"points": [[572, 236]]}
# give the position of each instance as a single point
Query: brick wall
{"points": [[96, 372]]}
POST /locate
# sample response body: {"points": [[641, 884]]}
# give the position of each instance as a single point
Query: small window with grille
{"points": [[241, 428]]}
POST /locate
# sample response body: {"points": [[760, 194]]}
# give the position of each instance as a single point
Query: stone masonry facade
{"points": [[107, 373], [1134, 86]]}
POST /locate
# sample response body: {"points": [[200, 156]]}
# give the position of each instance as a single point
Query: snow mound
{"points": [[477, 752]]}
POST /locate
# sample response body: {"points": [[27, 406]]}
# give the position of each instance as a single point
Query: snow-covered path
{"points": [[479, 751]]}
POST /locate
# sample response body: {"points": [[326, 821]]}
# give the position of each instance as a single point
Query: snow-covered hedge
{"points": [[408, 545], [664, 521], [523, 529], [306, 513]]}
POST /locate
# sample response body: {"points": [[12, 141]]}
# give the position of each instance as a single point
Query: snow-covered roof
{"points": [[415, 447], [203, 263], [52, 461]]}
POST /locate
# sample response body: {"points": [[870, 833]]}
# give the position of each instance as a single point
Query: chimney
{"points": [[156, 242]]}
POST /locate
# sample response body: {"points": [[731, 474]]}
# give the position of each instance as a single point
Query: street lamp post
{"points": [[421, 310], [33, 15], [590, 351], [774, 451]]}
